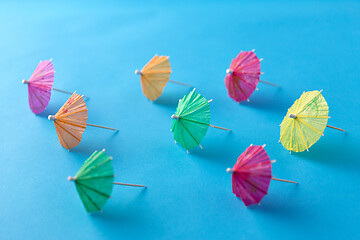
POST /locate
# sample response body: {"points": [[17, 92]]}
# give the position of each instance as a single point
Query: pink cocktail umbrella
{"points": [[243, 76], [40, 85], [251, 175]]}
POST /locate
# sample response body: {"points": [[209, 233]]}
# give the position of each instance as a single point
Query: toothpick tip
{"points": [[70, 178]]}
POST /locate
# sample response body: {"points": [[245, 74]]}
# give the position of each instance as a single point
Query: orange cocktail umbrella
{"points": [[71, 121], [155, 75]]}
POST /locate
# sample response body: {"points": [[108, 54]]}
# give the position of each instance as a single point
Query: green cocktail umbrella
{"points": [[94, 181], [191, 120]]}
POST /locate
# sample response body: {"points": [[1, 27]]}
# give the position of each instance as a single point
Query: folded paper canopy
{"points": [[305, 122], [154, 76], [191, 120], [251, 175], [243, 76], [40, 85], [71, 121], [94, 181]]}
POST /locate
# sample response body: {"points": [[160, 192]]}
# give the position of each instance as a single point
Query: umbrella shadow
{"points": [[171, 98], [123, 213], [337, 152], [218, 151], [88, 146], [276, 206], [269, 101], [49, 110], [167, 100]]}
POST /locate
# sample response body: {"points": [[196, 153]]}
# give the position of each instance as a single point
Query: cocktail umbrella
{"points": [[71, 120], [40, 85], [251, 175], [155, 75], [305, 122], [243, 76], [191, 120], [94, 181]]}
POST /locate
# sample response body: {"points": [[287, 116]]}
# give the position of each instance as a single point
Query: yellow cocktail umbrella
{"points": [[305, 122]]}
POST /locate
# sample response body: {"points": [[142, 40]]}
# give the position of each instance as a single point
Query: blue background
{"points": [[96, 48]]}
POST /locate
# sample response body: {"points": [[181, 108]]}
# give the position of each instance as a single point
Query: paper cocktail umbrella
{"points": [[251, 175], [243, 76], [94, 181], [155, 75], [40, 85], [191, 120], [71, 120], [305, 122]]}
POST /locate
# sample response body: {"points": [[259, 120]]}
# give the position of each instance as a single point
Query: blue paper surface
{"points": [[97, 46]]}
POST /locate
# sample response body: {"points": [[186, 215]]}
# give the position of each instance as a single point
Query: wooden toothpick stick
{"points": [[180, 83], [283, 180], [220, 128], [269, 83], [93, 125], [128, 184], [59, 90], [55, 89], [335, 128]]}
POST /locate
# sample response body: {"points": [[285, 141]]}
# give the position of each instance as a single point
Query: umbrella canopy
{"points": [[251, 175], [70, 121], [154, 76], [94, 181], [191, 120], [40, 85], [304, 122], [243, 76]]}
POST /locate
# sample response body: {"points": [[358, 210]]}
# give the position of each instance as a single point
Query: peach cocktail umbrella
{"points": [[155, 75], [251, 175], [71, 120], [40, 85], [243, 76]]}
